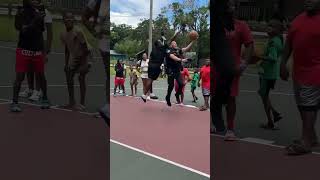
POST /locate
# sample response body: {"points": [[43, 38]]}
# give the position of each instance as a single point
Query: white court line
{"points": [[260, 143], [55, 53], [275, 93], [164, 102], [57, 85], [52, 107], [161, 159]]}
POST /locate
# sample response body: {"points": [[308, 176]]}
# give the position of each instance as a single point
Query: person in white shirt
{"points": [[144, 73]]}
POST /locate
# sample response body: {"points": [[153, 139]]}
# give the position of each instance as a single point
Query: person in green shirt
{"points": [[269, 71], [194, 83]]}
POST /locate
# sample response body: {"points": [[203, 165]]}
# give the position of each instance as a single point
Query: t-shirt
{"points": [[30, 38], [144, 66], [240, 36], [157, 57], [195, 79], [47, 20], [205, 77], [304, 38], [119, 70], [173, 65], [185, 74], [270, 67], [74, 41]]}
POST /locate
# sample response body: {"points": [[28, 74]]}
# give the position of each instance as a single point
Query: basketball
{"points": [[193, 35]]}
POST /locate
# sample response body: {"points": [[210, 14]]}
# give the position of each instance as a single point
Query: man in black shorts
{"points": [[174, 58], [156, 59]]}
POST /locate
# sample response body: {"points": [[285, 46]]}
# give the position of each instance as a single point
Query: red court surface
{"points": [[52, 145], [252, 161], [179, 134]]}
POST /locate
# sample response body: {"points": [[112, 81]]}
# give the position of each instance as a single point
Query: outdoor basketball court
{"points": [[153, 141], [260, 153], [55, 143]]}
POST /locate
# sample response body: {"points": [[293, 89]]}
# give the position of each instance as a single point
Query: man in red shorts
{"points": [[303, 41], [30, 54], [119, 78]]}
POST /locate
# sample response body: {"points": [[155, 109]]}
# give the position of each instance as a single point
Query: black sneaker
{"points": [[168, 100], [104, 114]]}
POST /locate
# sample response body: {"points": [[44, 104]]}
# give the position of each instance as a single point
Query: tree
{"points": [[129, 47]]}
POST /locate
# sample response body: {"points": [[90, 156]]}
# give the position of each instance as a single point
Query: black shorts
{"points": [[154, 72], [265, 86]]}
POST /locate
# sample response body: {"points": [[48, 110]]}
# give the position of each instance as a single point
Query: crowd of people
{"points": [[302, 41], [178, 76], [34, 24]]}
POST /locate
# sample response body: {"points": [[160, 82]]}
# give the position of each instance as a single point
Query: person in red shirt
{"points": [[303, 41], [205, 82], [237, 36], [185, 75]]}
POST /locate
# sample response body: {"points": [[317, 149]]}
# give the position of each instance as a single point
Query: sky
{"points": [[130, 12]]}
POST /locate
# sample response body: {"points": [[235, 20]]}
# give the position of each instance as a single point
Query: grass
{"points": [[8, 32]]}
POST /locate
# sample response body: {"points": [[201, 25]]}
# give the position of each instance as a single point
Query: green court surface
{"points": [[129, 164]]}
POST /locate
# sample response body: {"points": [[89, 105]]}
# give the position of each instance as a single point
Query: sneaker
{"points": [[148, 98], [121, 91], [45, 104], [144, 98], [168, 101], [153, 96], [105, 114], [35, 96], [14, 107], [26, 93], [230, 136]]}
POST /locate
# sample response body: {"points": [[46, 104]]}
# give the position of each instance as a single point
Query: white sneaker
{"points": [[121, 92], [35, 96], [230, 136], [26, 93], [148, 98]]}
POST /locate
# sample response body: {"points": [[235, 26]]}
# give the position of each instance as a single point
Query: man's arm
{"points": [[174, 36], [188, 48], [284, 73], [249, 49], [175, 58], [18, 20], [49, 37], [66, 56]]}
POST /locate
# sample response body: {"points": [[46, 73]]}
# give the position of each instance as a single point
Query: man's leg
{"points": [[308, 118], [216, 116], [83, 88], [180, 84], [17, 86], [231, 112], [170, 88], [30, 79], [70, 84]]}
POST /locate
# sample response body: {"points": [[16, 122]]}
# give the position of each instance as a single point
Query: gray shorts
{"points": [[205, 92], [307, 97]]}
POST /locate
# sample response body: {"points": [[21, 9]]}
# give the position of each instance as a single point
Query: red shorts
{"points": [[176, 87], [118, 81], [29, 61]]}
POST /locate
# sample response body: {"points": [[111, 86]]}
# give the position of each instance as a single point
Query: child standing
{"points": [[185, 75], [120, 78], [205, 82], [269, 71], [76, 60], [133, 80], [194, 82]]}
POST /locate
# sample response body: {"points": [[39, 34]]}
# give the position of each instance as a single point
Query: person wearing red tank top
{"points": [[303, 41]]}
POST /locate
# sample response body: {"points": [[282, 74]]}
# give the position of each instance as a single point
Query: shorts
{"points": [[154, 72], [119, 81], [265, 86], [176, 87], [205, 92], [76, 66], [144, 76], [193, 88], [29, 61], [307, 97], [235, 87]]}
